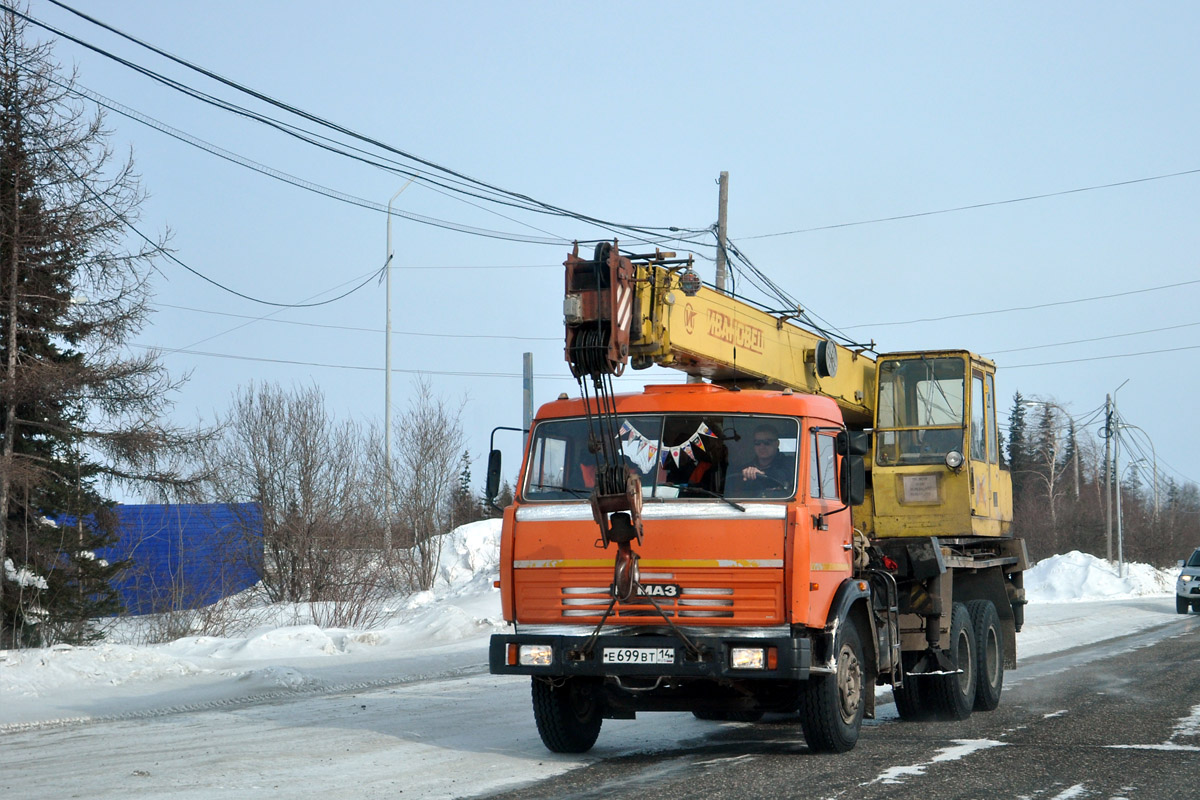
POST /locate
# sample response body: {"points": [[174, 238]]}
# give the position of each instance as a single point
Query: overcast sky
{"points": [[822, 114]]}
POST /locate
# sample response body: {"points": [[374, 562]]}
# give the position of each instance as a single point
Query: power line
{"points": [[158, 248], [1026, 308], [1104, 358], [524, 201], [357, 368], [361, 329], [990, 353], [279, 175], [1027, 198]]}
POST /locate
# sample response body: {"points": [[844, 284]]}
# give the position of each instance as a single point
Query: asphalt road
{"points": [[1115, 720]]}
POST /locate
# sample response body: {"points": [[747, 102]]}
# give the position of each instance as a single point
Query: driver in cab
{"points": [[769, 472]]}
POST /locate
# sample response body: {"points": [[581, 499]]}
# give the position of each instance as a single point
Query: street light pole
{"points": [[387, 381]]}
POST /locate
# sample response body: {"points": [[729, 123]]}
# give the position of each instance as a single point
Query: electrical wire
{"points": [[531, 204], [679, 378], [159, 249], [1103, 358], [1027, 198], [990, 353], [360, 329], [1026, 308], [271, 172]]}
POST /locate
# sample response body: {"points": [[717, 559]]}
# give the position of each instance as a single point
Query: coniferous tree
{"points": [[75, 407], [465, 508], [1018, 448]]}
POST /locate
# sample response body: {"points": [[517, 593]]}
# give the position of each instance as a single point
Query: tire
{"points": [[831, 706], [728, 716], [568, 716], [1181, 604], [1196, 605], [911, 704], [989, 655], [953, 696]]}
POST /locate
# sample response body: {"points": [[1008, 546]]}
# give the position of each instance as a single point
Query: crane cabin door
{"points": [[988, 485]]}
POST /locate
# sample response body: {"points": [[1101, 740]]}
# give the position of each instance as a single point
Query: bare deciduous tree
{"points": [[425, 476], [284, 451]]}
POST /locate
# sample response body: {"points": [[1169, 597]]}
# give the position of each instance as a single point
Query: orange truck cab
{"points": [[746, 562]]}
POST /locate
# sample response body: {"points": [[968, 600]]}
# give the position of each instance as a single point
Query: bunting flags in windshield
{"points": [[647, 453]]}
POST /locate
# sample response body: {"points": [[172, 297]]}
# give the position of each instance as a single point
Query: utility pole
{"points": [[722, 223], [1075, 451], [1108, 428], [387, 382], [1114, 430], [527, 393]]}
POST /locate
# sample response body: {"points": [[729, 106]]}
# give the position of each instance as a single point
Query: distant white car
{"points": [[1187, 587]]}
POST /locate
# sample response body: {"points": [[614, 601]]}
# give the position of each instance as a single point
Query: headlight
{"points": [[954, 459], [746, 658], [536, 655], [1185, 578]]}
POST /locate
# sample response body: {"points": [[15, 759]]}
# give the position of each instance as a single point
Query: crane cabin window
{"points": [[676, 456], [920, 416]]}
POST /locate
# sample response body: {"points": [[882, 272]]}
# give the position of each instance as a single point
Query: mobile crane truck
{"points": [[799, 523]]}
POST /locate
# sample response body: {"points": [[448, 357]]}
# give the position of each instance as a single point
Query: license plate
{"points": [[639, 655]]}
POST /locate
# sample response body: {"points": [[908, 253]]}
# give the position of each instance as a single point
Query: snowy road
{"points": [[438, 738]]}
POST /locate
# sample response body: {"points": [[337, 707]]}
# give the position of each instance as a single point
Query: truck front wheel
{"points": [[567, 714], [911, 705], [831, 706]]}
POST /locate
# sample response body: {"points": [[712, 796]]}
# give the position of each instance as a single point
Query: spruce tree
{"points": [[76, 409], [1018, 448]]}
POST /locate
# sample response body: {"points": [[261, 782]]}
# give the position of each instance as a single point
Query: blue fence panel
{"points": [[185, 556]]}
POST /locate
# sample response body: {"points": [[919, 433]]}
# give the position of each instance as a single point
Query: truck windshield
{"points": [[921, 409], [676, 457]]}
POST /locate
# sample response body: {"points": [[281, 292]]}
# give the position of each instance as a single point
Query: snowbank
{"points": [[1077, 576]]}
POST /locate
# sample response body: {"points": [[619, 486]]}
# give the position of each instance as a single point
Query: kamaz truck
{"points": [[802, 521]]}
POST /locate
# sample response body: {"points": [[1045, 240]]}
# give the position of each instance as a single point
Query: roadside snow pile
{"points": [[1079, 576], [32, 673], [470, 553]]}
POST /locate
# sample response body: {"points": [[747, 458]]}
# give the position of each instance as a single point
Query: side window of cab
{"points": [[822, 466]]}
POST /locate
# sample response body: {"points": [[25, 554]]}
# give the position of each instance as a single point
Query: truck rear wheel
{"points": [[568, 714], [989, 660], [953, 696], [831, 706]]}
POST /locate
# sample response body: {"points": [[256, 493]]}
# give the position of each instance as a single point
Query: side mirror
{"points": [[853, 443], [854, 480], [493, 476]]}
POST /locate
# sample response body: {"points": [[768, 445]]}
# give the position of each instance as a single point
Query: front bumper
{"points": [[792, 657]]}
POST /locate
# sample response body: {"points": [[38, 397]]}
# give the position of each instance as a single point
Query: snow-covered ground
{"points": [[1075, 599]]}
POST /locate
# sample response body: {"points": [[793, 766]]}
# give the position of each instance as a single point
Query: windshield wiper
{"points": [[702, 490], [545, 487]]}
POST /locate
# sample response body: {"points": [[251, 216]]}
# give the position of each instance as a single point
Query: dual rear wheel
{"points": [[977, 652]]}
